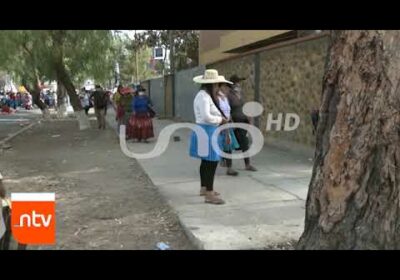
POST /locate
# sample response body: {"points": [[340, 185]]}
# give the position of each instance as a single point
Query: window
{"points": [[159, 53]]}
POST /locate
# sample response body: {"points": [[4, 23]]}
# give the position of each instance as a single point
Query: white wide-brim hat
{"points": [[210, 77]]}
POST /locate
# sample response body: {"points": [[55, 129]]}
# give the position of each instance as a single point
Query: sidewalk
{"points": [[262, 209]]}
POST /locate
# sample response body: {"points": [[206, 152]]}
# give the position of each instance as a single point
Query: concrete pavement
{"points": [[262, 209]]}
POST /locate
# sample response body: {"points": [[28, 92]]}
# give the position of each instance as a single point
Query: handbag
{"points": [[230, 142], [152, 113]]}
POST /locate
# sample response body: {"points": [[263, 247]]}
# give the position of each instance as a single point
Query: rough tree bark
{"points": [[354, 200], [35, 92], [65, 80], [61, 104], [33, 78]]}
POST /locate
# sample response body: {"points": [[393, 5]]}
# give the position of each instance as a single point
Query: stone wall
{"points": [[290, 82], [243, 67]]}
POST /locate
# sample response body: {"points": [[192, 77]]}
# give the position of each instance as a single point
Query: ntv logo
{"points": [[33, 218], [250, 109]]}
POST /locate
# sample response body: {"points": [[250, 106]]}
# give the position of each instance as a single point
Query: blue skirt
{"points": [[212, 154]]}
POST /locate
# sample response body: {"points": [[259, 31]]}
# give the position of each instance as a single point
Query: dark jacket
{"points": [[101, 99], [236, 102]]}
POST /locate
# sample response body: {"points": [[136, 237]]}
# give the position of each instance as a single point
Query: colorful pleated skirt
{"points": [[140, 126], [213, 155]]}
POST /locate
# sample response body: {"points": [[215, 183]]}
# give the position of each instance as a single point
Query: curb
{"points": [[193, 239], [15, 134]]}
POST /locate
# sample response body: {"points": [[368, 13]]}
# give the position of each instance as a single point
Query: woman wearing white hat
{"points": [[208, 116]]}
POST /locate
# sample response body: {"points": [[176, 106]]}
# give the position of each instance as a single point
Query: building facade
{"points": [[284, 71]]}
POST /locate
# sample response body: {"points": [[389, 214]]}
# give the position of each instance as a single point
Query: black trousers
{"points": [[207, 173], [87, 110]]}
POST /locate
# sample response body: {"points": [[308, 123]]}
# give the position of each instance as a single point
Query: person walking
{"points": [[28, 101], [141, 124], [85, 101], [100, 102], [123, 98], [236, 102], [125, 101], [208, 117], [117, 106]]}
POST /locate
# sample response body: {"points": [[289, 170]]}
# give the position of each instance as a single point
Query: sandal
{"points": [[203, 192], [214, 200], [231, 172], [251, 168]]}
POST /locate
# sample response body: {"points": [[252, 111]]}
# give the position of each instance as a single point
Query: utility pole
{"points": [[172, 67], [136, 58], [171, 52], [117, 74]]}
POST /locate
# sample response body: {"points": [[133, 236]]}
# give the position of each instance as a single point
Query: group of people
{"points": [[49, 98], [134, 110], [11, 101], [218, 102]]}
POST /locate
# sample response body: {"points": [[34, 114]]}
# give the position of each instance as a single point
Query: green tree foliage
{"points": [[65, 55], [133, 62]]}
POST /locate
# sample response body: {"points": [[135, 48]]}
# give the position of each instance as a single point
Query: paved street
{"points": [[11, 123]]}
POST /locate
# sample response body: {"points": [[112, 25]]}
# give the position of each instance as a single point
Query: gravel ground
{"points": [[104, 200]]}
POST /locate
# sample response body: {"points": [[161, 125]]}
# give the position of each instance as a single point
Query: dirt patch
{"points": [[104, 199]]}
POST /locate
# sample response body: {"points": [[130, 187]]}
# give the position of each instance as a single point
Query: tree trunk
{"points": [[353, 200], [35, 92], [63, 77], [65, 80], [61, 103], [36, 98]]}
